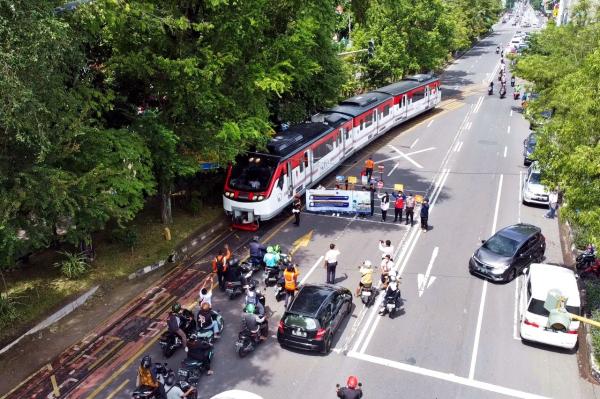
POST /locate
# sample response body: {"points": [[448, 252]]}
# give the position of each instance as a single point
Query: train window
{"points": [[362, 124], [306, 159], [339, 138], [280, 182], [386, 111], [418, 95], [347, 133], [368, 120], [323, 149], [301, 167]]}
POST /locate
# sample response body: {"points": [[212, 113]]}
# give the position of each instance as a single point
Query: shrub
{"points": [[73, 266], [125, 236], [8, 309]]}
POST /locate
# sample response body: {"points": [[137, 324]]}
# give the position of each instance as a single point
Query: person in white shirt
{"points": [[385, 268], [552, 204], [331, 263], [385, 204], [387, 249], [173, 391], [205, 295]]}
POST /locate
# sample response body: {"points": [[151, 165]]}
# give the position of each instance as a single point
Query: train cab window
{"points": [[306, 159], [252, 173], [418, 95], [386, 111], [280, 181]]}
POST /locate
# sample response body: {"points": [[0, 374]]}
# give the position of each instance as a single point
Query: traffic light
{"points": [[371, 49], [558, 319]]}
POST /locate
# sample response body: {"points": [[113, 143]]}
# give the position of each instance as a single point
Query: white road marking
{"points": [[393, 169], [417, 140], [484, 291], [511, 112], [478, 105], [425, 280], [458, 146], [508, 129], [505, 150], [429, 124], [405, 156], [520, 193], [468, 127], [485, 386], [312, 269], [516, 321]]}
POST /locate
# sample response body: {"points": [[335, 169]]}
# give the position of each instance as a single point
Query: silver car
{"points": [[533, 191]]}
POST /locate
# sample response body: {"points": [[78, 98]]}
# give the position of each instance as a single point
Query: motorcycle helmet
{"points": [[352, 382], [234, 262], [270, 249], [176, 308], [146, 362], [250, 308], [368, 264], [170, 380]]}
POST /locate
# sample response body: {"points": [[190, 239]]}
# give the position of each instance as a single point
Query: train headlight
{"points": [[260, 197]]}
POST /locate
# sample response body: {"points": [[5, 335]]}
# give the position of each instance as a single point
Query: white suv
{"points": [[540, 279], [534, 192]]}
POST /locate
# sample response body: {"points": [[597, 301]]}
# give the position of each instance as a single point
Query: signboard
{"points": [[418, 198], [352, 179], [398, 187], [337, 200], [380, 168]]}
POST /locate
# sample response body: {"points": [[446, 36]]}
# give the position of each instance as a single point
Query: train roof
{"points": [[286, 142], [407, 84], [330, 118], [356, 105]]}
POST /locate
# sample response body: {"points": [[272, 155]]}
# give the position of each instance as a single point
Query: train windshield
{"points": [[252, 172]]}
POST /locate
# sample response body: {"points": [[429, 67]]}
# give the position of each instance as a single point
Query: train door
{"points": [[403, 106], [346, 132], [428, 97], [302, 174]]}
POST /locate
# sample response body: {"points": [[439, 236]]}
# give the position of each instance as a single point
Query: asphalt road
{"points": [[457, 336]]}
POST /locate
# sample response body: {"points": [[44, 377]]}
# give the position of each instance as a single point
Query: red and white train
{"points": [[260, 185]]}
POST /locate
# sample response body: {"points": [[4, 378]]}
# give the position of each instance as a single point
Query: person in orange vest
{"points": [[369, 165], [219, 266], [290, 278]]}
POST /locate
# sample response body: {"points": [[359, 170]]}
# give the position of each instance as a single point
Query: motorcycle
{"points": [[490, 90], [247, 342], [271, 275], [280, 289], [592, 271], [191, 370], [170, 341], [502, 93], [367, 295], [585, 259], [236, 287], [145, 392], [392, 302]]}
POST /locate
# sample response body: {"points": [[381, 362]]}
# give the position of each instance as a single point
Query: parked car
{"points": [[533, 191], [314, 316], [236, 394], [528, 147], [542, 278], [504, 255]]}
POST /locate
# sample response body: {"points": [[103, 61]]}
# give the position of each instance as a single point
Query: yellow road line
{"points": [[108, 353], [116, 391], [55, 389], [23, 383]]}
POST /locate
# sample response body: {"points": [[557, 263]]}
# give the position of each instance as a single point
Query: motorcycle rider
{"points": [[271, 258], [252, 323], [290, 277], [205, 320], [392, 288], [385, 268], [257, 251], [147, 378], [200, 350], [491, 88], [351, 390], [252, 297], [497, 49], [366, 276], [175, 321], [173, 390], [512, 81]]}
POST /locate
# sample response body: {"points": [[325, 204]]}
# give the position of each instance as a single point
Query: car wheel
{"points": [[349, 308], [511, 275], [327, 345]]}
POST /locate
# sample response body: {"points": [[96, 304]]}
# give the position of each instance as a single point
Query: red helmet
{"points": [[352, 382]]}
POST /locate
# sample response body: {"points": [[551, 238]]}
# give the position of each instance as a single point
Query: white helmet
{"points": [[367, 263], [393, 275]]}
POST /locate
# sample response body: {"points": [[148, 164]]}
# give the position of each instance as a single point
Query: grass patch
{"points": [[39, 288], [592, 290]]}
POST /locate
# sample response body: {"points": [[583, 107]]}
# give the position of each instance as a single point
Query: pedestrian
{"points": [[410, 208], [290, 278], [369, 165], [205, 295], [385, 204], [385, 268], [227, 252], [552, 204], [398, 205], [331, 263], [296, 207], [387, 249], [512, 81], [372, 192], [219, 266], [425, 215]]}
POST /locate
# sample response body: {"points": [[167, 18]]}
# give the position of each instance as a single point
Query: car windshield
{"points": [[501, 245], [535, 178], [252, 172], [298, 321], [536, 306]]}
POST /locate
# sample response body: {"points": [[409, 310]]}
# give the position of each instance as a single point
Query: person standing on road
{"points": [[425, 215], [398, 205], [372, 192], [296, 207], [369, 165], [219, 266], [385, 204], [205, 295], [552, 204], [331, 263], [290, 278], [410, 208], [385, 268], [387, 249]]}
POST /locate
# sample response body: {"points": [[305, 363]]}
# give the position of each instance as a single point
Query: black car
{"points": [[314, 316], [508, 252], [528, 147]]}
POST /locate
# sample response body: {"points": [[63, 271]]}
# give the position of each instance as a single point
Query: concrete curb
{"points": [[55, 317], [178, 253]]}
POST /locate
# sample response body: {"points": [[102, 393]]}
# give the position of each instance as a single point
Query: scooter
{"points": [[592, 271], [392, 302], [170, 341], [247, 342], [271, 275], [237, 286], [585, 259], [502, 92], [279, 289], [367, 295], [490, 90], [191, 369], [145, 392]]}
